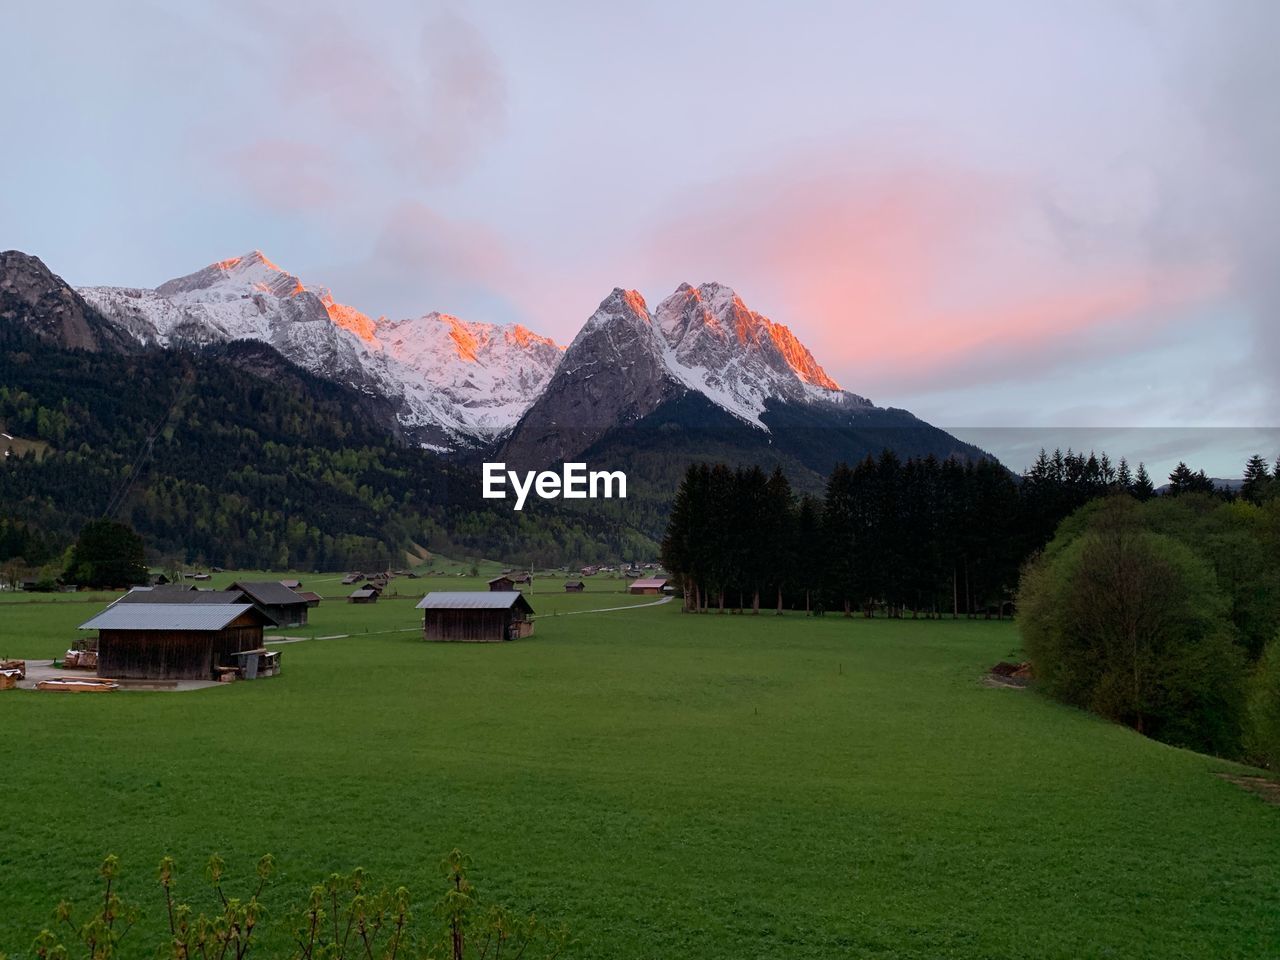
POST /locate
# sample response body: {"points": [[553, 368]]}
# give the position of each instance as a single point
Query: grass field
{"points": [[668, 785]]}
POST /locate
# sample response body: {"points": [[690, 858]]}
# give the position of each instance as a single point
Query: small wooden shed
{"points": [[476, 617], [174, 641], [364, 595], [574, 586], [284, 607], [502, 584], [652, 585]]}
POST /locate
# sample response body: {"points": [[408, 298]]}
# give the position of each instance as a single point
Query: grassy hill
{"points": [[669, 785]]}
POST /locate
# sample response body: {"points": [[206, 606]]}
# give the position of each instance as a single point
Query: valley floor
{"points": [[669, 785]]}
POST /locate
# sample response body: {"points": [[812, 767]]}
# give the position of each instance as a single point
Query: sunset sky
{"points": [[1029, 222]]}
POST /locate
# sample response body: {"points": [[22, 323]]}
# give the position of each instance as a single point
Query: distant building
{"points": [[175, 641], [653, 585], [283, 607], [476, 617], [363, 595], [294, 585], [502, 584], [313, 599], [175, 593], [574, 586]]}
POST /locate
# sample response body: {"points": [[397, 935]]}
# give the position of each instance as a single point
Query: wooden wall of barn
{"points": [[473, 626], [171, 654]]}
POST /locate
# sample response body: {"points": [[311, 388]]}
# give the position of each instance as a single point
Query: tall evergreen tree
{"points": [[1257, 480]]}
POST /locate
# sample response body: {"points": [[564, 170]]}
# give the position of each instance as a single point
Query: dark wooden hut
{"points": [[364, 595], [476, 617], [282, 606], [313, 599], [174, 641], [502, 584], [574, 586]]}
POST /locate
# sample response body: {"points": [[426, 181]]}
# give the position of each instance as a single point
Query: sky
{"points": [[1033, 223]]}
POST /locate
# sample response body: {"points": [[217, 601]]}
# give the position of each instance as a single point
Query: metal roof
{"points": [[145, 595], [167, 616], [472, 600], [270, 593], [652, 583], [364, 592]]}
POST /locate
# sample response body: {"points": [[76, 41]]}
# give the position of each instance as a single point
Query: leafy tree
{"points": [[107, 554], [1262, 709], [1132, 625]]}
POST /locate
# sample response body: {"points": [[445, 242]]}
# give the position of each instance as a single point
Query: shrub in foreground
{"points": [[343, 918]]}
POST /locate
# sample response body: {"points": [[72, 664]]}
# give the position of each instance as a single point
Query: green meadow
{"points": [[668, 785]]}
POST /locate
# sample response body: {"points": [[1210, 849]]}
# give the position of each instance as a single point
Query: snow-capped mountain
{"points": [[714, 344], [626, 362], [454, 383]]}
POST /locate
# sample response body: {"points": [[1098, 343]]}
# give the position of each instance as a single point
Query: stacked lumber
{"points": [[80, 660], [9, 679], [19, 666]]}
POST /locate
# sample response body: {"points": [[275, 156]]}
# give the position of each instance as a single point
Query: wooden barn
{"points": [[294, 585], [653, 586], [502, 584], [574, 586], [476, 617], [283, 607], [313, 599], [364, 595], [174, 641]]}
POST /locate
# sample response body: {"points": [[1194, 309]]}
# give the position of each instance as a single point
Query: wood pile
{"points": [[17, 666], [8, 679], [80, 660]]}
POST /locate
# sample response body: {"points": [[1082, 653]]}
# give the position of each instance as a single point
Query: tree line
{"points": [[213, 464], [918, 537]]}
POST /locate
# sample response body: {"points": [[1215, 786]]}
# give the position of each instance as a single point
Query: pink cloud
{"points": [[899, 273]]}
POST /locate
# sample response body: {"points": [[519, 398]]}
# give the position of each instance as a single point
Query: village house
{"points": [[176, 641], [283, 607], [652, 585], [476, 617]]}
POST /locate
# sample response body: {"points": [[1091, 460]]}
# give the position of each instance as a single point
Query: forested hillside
{"points": [[236, 457]]}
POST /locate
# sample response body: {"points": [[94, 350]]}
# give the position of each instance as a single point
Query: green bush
{"points": [[1132, 625], [1262, 709]]}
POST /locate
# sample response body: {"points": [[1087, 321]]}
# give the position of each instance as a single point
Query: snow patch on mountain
{"points": [[738, 358], [456, 383]]}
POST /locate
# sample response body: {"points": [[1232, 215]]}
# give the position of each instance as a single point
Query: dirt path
{"points": [[630, 606]]}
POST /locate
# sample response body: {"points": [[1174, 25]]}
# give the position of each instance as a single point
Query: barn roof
{"points": [[168, 616], [270, 593], [653, 583], [473, 600], [363, 592], [505, 576], [147, 595], [309, 595]]}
